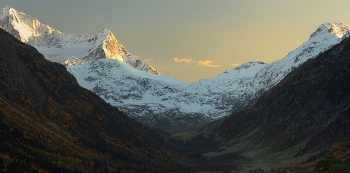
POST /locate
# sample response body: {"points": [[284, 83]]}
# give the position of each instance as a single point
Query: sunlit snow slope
{"points": [[72, 49], [101, 64]]}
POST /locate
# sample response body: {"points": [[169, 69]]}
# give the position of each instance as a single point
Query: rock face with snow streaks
{"points": [[58, 47]]}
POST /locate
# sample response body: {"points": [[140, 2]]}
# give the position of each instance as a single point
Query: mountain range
{"points": [[49, 123], [289, 115], [103, 65]]}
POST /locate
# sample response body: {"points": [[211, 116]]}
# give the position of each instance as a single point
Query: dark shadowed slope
{"points": [[306, 112], [49, 123], [310, 106]]}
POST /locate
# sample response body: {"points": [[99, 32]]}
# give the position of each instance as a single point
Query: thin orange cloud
{"points": [[184, 60], [149, 60], [207, 63], [235, 65]]}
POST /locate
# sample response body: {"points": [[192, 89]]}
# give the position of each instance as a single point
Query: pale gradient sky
{"points": [[193, 39]]}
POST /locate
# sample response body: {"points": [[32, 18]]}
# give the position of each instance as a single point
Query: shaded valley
{"points": [[300, 120]]}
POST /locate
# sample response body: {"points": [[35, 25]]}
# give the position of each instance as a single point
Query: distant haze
{"points": [[196, 39]]}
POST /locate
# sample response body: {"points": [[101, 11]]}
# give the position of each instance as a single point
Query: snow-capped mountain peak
{"points": [[21, 25], [106, 46], [338, 29], [7, 11], [249, 65], [247, 69], [68, 48]]}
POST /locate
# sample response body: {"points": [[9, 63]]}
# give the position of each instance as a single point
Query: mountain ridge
{"points": [[298, 121], [102, 46], [322, 80], [153, 99], [49, 123]]}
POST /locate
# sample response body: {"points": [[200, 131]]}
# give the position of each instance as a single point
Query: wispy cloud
{"points": [[207, 63], [184, 60], [235, 65], [148, 60]]}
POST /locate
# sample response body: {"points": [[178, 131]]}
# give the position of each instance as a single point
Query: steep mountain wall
{"points": [[309, 108]]}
